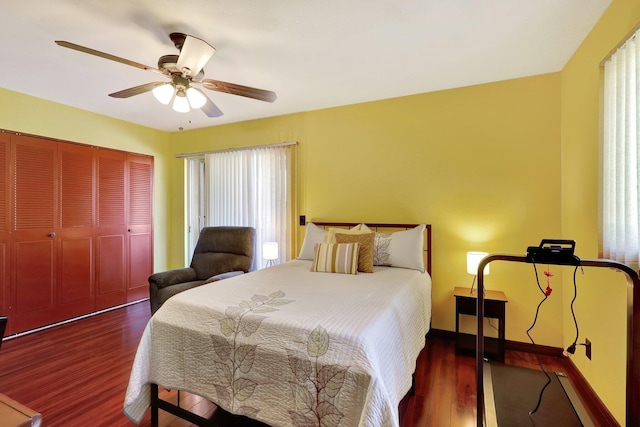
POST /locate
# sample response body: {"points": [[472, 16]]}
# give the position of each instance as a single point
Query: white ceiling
{"points": [[313, 54]]}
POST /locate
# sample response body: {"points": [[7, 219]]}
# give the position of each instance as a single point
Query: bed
{"points": [[293, 347]]}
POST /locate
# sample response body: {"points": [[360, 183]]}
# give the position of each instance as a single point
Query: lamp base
{"points": [[473, 285]]}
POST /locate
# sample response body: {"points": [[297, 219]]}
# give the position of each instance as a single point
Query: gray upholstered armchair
{"points": [[221, 252]]}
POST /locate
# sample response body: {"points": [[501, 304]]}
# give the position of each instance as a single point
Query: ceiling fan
{"points": [[185, 72]]}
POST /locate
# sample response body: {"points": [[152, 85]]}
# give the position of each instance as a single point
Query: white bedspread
{"points": [[290, 347]]}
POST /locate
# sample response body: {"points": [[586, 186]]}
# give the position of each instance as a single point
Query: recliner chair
{"points": [[221, 252]]}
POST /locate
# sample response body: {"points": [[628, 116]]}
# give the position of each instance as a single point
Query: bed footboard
{"points": [[157, 403]]}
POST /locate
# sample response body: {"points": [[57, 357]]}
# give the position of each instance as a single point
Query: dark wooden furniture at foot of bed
{"points": [[14, 414]]}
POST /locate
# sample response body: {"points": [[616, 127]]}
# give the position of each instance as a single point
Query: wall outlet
{"points": [[587, 348], [303, 220]]}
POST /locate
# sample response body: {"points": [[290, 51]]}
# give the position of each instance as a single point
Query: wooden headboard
{"points": [[388, 228]]}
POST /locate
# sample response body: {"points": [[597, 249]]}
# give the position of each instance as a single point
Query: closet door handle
{"points": [[52, 234]]}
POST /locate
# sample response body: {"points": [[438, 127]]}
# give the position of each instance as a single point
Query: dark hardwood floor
{"points": [[76, 375]]}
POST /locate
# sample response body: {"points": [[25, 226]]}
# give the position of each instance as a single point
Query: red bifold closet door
{"points": [[139, 230], [33, 244], [76, 234], [111, 232], [5, 225]]}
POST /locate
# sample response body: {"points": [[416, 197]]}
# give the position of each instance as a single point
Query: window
{"points": [[196, 203], [620, 160], [247, 187]]}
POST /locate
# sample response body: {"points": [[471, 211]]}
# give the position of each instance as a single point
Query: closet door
{"points": [[111, 230], [5, 225], [76, 234], [33, 245], [139, 220]]}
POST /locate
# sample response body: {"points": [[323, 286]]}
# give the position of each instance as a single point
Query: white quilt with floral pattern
{"points": [[290, 347]]}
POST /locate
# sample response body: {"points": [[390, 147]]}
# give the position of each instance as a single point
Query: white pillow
{"points": [[313, 235], [400, 249]]}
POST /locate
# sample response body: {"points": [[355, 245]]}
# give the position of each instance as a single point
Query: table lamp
{"points": [[473, 260], [270, 253]]}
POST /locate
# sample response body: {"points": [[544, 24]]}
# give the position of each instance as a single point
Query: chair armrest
{"points": [[172, 277], [223, 276]]}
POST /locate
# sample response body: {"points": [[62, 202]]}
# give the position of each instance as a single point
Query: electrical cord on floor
{"points": [[535, 319]]}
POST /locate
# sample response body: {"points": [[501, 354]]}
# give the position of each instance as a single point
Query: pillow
{"points": [[365, 256], [400, 249], [362, 227], [336, 258], [313, 236], [330, 236]]}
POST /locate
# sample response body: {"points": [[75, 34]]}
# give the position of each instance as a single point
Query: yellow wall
{"points": [[26, 114], [481, 163], [601, 304]]}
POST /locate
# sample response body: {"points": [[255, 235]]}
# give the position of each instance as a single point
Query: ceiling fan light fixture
{"points": [[180, 103], [164, 93], [196, 98], [183, 69]]}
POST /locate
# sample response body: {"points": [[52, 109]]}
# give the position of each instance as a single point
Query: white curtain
{"points": [[621, 164], [252, 187]]}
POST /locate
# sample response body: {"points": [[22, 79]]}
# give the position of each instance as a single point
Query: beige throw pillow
{"points": [[330, 236], [336, 258], [365, 255]]}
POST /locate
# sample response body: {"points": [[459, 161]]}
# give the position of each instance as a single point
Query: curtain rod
{"points": [[630, 35], [226, 150]]}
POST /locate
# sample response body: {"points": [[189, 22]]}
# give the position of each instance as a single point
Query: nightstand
{"points": [[494, 308]]}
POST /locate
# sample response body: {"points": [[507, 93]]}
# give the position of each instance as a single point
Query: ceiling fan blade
{"points": [[136, 90], [235, 89], [194, 55], [211, 109], [104, 55]]}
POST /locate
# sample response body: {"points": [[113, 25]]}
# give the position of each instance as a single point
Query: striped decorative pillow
{"points": [[336, 258]]}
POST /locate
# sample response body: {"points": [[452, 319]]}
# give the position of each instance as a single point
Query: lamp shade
{"points": [[270, 250], [163, 93], [473, 260], [196, 98], [180, 103]]}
